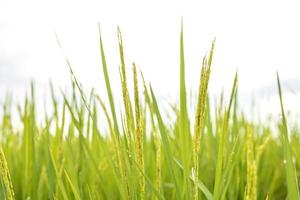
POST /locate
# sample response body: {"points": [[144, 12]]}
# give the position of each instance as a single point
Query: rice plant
{"points": [[87, 147]]}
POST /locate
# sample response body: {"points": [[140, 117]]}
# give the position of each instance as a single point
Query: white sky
{"points": [[256, 38]]}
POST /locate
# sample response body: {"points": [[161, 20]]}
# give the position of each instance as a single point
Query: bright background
{"points": [[256, 38]]}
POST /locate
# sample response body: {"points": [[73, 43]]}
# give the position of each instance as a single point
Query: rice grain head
{"points": [[251, 167], [139, 135], [126, 98], [200, 115], [5, 176]]}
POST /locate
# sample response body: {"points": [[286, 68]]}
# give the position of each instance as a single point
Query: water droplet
{"points": [[284, 161], [193, 173]]}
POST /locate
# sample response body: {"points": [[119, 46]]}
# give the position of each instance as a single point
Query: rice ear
{"points": [[200, 119], [5, 176], [139, 135]]}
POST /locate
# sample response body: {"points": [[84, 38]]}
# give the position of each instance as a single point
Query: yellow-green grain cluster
{"points": [[251, 168], [200, 116], [139, 139], [126, 98], [5, 176]]}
